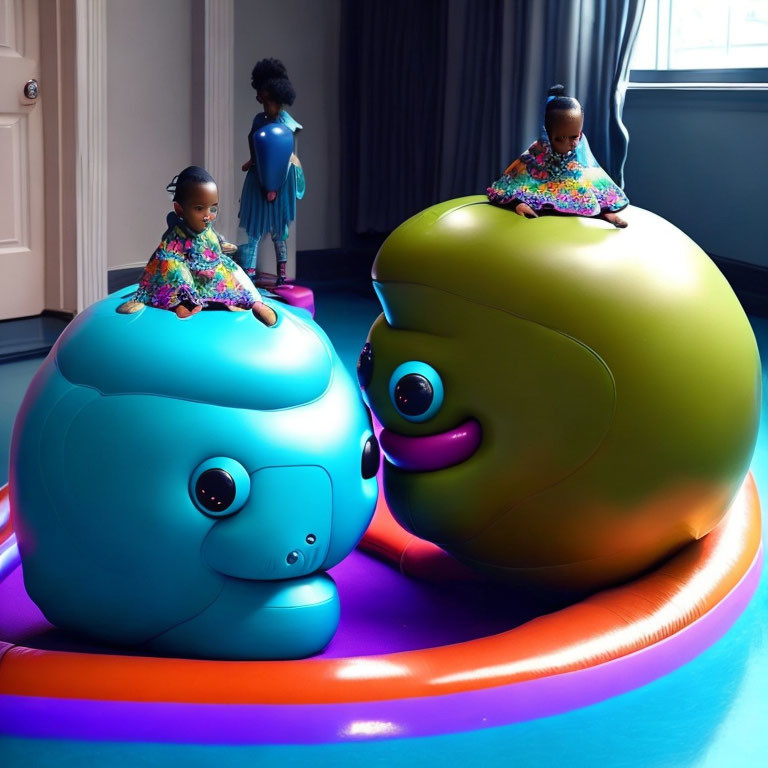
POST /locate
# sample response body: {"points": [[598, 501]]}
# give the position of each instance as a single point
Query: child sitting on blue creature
{"points": [[558, 173], [265, 210], [189, 271]]}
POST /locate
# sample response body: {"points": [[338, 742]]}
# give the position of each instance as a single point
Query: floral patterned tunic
{"points": [[188, 267], [571, 183]]}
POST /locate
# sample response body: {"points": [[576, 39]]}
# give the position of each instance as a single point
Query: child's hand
{"points": [[246, 166], [523, 209]]}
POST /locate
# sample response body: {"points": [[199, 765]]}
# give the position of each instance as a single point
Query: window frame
{"points": [[720, 76], [727, 77]]}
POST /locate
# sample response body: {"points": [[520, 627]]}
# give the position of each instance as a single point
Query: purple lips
{"points": [[431, 452]]}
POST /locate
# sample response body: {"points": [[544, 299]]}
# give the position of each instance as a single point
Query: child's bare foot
{"points": [[264, 313], [182, 311], [523, 209], [616, 220], [129, 307]]}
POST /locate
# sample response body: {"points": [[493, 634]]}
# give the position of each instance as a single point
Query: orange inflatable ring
{"points": [[602, 646]]}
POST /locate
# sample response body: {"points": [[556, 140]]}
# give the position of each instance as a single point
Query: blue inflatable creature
{"points": [[182, 485]]}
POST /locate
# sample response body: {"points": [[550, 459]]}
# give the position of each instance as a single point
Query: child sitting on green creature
{"points": [[558, 173]]}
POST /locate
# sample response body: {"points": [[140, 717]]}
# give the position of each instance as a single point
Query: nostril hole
{"points": [[311, 538], [292, 557]]}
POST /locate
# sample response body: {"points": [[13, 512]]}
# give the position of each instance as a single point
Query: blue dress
{"points": [[257, 216]]}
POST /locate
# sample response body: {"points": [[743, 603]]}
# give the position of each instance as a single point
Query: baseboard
{"points": [[346, 267], [334, 264], [312, 267], [120, 278], [25, 337], [749, 283]]}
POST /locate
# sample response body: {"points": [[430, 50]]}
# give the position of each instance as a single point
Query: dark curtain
{"points": [[438, 96], [392, 95], [586, 46], [471, 124]]}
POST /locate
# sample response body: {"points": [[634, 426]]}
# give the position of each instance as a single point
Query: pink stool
{"points": [[295, 295]]}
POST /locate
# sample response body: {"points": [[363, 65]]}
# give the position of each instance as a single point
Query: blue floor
{"points": [[711, 712]]}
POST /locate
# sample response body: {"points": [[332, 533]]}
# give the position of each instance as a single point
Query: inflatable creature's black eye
{"points": [[371, 458], [365, 365], [215, 490], [416, 390], [413, 395], [220, 486]]}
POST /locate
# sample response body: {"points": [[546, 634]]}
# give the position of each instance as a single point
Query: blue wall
{"points": [[699, 158]]}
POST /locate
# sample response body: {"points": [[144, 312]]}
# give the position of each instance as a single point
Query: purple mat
{"points": [[382, 611], [323, 723]]}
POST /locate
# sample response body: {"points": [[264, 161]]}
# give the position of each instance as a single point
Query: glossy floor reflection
{"points": [[709, 713]]}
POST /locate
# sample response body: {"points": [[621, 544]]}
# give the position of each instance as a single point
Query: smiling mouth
{"points": [[428, 453]]}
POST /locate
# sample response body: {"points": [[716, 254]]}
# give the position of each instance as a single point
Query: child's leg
{"points": [[249, 257], [281, 253]]}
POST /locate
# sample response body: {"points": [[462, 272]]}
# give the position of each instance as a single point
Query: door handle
{"points": [[31, 90]]}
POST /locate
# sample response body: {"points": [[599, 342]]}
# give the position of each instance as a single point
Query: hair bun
{"points": [[171, 187], [192, 174], [556, 90]]}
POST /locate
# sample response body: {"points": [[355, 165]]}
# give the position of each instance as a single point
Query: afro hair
{"points": [[280, 90], [267, 69]]}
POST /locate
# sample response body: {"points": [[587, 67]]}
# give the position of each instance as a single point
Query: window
{"points": [[702, 41]]}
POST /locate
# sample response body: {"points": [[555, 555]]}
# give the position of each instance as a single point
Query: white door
{"points": [[22, 278]]}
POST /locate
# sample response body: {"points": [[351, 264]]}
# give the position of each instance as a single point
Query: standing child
{"points": [[558, 173], [188, 271], [263, 210]]}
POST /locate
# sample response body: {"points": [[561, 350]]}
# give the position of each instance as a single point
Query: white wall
{"points": [[148, 120], [150, 101], [304, 35], [698, 158]]}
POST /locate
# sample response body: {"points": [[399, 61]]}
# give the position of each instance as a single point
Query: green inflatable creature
{"points": [[563, 403]]}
